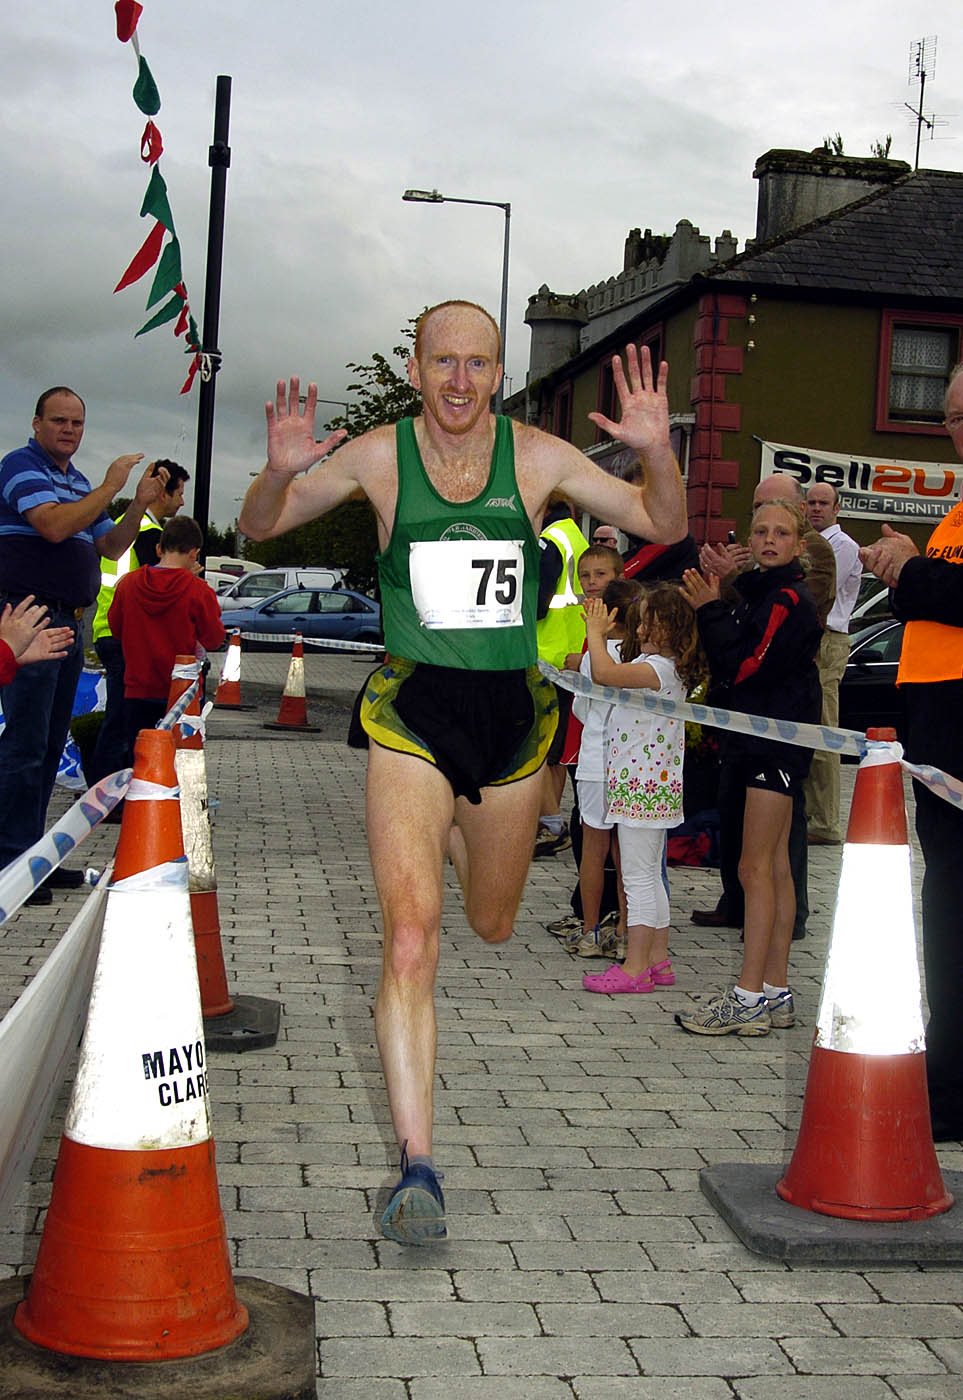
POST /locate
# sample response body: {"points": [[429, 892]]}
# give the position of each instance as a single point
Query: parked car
{"points": [[265, 582], [867, 692], [338, 614], [872, 603]]}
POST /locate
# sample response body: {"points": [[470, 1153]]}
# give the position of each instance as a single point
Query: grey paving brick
{"points": [[464, 1319], [398, 1356], [875, 1356], [896, 1320], [701, 1356], [556, 1356]]}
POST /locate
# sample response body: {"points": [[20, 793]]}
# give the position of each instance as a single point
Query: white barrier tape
{"points": [[179, 706], [328, 643], [142, 791], [170, 875], [188, 671], [942, 784], [22, 876], [196, 724], [806, 736], [38, 1038]]}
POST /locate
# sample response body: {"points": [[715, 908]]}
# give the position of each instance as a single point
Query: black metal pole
{"points": [[219, 158]]}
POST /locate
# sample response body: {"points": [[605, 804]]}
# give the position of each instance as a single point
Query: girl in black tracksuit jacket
{"points": [[761, 653]]}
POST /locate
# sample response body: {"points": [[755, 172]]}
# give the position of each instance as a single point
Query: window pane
{"points": [[299, 602], [922, 357]]}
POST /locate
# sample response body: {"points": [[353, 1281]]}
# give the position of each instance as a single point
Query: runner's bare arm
{"points": [[287, 492], [656, 510]]}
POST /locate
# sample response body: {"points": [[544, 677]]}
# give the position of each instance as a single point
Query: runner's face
{"points": [[457, 370], [773, 539], [594, 576], [60, 427]]}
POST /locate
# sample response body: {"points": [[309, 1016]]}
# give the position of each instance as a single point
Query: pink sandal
{"points": [[614, 980], [662, 974]]}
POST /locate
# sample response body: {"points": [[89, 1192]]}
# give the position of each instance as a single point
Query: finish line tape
{"points": [[805, 736]]}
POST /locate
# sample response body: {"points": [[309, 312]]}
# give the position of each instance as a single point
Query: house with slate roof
{"points": [[821, 349]]}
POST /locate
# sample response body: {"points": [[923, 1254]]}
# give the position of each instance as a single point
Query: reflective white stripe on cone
{"points": [[228, 693], [190, 762], [133, 1263], [865, 1147], [293, 713]]}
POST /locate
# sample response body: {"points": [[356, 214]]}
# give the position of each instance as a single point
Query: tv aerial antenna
{"points": [[922, 65]]}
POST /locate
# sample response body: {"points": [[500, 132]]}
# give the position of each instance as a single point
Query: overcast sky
{"points": [[589, 119]]}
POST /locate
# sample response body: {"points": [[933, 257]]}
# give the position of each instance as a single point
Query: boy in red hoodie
{"points": [[160, 612]]}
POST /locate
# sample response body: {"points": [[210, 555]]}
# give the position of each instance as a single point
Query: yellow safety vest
{"points": [[562, 629], [110, 571]]}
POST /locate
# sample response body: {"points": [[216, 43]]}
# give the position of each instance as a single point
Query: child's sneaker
{"points": [[561, 928], [727, 1015], [782, 1012], [613, 980], [663, 976], [590, 945], [611, 944]]}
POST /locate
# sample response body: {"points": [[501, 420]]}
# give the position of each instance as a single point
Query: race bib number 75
{"points": [[467, 583]]}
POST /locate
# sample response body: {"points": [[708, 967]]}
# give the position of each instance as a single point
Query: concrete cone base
{"points": [[745, 1197], [252, 1025], [274, 1359]]}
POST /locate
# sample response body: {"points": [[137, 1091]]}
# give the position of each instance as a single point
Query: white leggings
{"points": [[645, 893]]}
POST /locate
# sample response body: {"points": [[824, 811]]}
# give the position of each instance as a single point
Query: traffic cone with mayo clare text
{"points": [[293, 713], [230, 1022], [133, 1264], [227, 696], [191, 767], [865, 1147]]}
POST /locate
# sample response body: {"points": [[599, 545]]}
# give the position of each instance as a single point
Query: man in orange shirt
{"points": [[927, 594]]}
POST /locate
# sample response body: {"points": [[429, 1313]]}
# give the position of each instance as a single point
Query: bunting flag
{"points": [[154, 252]]}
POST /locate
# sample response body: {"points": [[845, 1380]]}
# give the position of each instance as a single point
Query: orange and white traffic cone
{"points": [[227, 696], [230, 1023], [293, 713], [191, 769], [865, 1146], [133, 1263]]}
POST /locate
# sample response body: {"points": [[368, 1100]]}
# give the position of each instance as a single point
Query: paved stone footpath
{"points": [[584, 1261]]}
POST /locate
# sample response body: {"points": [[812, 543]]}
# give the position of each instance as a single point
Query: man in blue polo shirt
{"points": [[53, 529]]}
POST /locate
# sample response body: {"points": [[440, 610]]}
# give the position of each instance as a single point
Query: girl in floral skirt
{"points": [[643, 770]]}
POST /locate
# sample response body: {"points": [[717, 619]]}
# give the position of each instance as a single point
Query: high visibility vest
{"points": [[932, 651], [110, 571], [562, 629]]}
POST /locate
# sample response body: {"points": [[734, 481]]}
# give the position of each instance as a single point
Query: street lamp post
{"points": [[433, 197]]}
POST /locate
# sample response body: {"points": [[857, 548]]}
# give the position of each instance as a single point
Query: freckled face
{"points": [[457, 368], [594, 576], [773, 540]]}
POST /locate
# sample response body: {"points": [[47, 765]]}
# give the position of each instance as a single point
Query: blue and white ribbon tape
{"points": [[22, 876], [328, 643], [179, 706], [806, 736]]}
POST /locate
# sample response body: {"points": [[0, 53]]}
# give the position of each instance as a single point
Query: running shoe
{"points": [[590, 945], [561, 928], [415, 1213], [726, 1015], [782, 1012], [548, 842]]}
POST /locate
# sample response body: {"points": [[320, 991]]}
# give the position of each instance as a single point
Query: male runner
{"points": [[460, 716]]}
